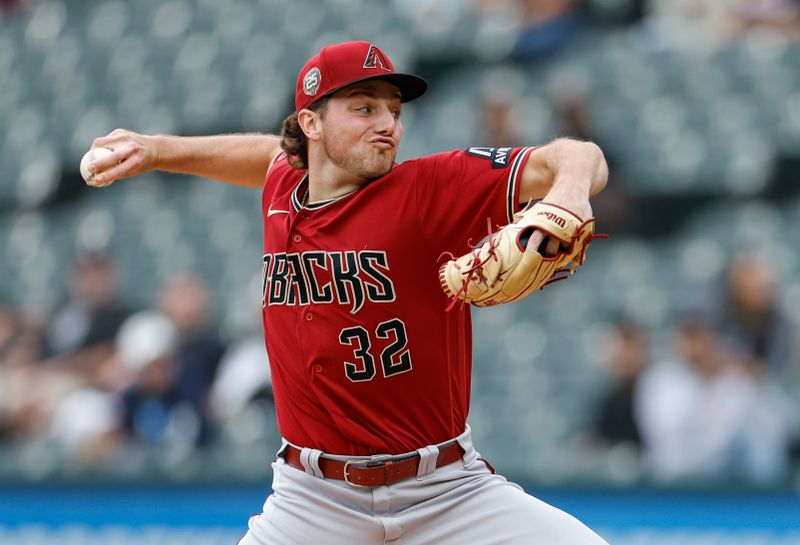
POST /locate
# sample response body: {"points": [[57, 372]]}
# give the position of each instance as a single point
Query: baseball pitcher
{"points": [[368, 277]]}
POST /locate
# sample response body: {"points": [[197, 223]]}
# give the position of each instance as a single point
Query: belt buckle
{"points": [[374, 461], [345, 475]]}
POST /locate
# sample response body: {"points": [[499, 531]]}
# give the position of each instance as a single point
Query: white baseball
{"points": [[89, 156]]}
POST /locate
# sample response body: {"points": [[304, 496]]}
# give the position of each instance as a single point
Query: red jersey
{"points": [[364, 357]]}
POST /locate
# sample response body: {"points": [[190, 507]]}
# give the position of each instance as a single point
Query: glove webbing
{"points": [[476, 267]]}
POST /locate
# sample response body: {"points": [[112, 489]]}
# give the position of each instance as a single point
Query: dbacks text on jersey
{"points": [[347, 278]]}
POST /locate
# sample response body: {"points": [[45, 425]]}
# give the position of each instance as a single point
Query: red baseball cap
{"points": [[340, 65]]}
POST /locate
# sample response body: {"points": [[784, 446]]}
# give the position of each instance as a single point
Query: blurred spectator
{"points": [[10, 328], [568, 94], [81, 333], [29, 391], [243, 377], [548, 26], [702, 416], [689, 23], [495, 6], [185, 300], [781, 17], [618, 12], [156, 412], [751, 319], [84, 426], [710, 22], [10, 6], [241, 399], [20, 414], [616, 421], [498, 126]]}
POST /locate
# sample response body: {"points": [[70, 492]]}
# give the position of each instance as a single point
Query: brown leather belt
{"points": [[363, 473]]}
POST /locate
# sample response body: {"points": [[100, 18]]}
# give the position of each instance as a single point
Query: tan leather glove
{"points": [[501, 270]]}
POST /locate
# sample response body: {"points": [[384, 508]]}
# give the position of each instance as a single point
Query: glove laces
{"points": [[475, 269]]}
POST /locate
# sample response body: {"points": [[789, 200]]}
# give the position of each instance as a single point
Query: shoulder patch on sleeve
{"points": [[498, 156]]}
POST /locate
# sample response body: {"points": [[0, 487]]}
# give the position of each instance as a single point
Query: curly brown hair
{"points": [[294, 141]]}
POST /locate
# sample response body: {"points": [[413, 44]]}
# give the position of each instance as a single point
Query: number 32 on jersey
{"points": [[395, 358]]}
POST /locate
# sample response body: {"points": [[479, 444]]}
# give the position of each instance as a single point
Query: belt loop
{"points": [[284, 444], [465, 440], [427, 462], [309, 457]]}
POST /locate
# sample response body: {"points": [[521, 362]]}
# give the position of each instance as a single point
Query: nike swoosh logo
{"points": [[271, 212]]}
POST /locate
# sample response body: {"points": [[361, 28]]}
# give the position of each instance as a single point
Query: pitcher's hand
{"points": [[132, 154]]}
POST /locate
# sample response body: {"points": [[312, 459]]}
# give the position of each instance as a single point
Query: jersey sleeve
{"points": [[457, 191], [279, 164]]}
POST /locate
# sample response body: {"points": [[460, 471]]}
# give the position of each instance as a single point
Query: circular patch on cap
{"points": [[311, 81]]}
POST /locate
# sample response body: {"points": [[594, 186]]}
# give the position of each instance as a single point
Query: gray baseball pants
{"points": [[460, 503]]}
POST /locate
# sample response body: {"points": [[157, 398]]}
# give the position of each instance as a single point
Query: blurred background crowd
{"points": [[130, 343]]}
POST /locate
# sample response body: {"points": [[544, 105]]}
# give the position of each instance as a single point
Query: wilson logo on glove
{"points": [[559, 220]]}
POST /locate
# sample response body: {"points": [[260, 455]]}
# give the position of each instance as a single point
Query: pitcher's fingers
{"points": [[111, 140], [118, 171], [553, 245], [117, 156], [535, 241], [540, 242]]}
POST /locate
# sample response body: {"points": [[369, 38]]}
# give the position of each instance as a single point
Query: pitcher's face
{"points": [[361, 129]]}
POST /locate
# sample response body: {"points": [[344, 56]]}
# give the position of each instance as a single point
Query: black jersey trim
{"points": [[322, 204], [299, 194], [296, 200], [511, 206]]}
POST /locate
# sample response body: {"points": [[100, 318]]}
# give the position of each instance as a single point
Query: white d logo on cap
{"points": [[311, 82]]}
